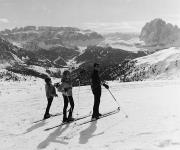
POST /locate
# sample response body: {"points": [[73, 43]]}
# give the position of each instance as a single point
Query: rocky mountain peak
{"points": [[158, 32]]}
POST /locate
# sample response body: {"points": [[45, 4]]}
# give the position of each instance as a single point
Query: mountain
{"points": [[157, 34], [163, 64], [115, 62], [47, 37], [8, 53], [15, 60], [108, 58]]}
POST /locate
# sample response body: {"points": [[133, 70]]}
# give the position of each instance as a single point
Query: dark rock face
{"points": [[113, 63], [106, 56]]}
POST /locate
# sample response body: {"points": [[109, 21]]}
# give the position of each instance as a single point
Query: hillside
{"points": [[164, 64]]}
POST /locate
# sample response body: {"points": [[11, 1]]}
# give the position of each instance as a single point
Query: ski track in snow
{"points": [[153, 108]]}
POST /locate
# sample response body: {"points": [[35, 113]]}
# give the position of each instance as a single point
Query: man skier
{"points": [[96, 90]]}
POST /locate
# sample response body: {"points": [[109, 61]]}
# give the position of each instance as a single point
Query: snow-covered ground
{"points": [[153, 123]]}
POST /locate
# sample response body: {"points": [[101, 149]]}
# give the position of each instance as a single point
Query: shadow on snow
{"points": [[86, 134], [37, 125], [53, 137]]}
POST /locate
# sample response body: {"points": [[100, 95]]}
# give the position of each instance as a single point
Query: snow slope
{"points": [[164, 64], [153, 123]]}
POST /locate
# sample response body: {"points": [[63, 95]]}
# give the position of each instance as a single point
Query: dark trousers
{"points": [[97, 96], [68, 99], [48, 105]]}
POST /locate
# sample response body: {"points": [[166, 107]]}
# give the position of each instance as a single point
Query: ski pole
{"points": [[78, 98], [118, 104]]}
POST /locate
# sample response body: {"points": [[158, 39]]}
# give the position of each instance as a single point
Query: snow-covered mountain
{"points": [[60, 57], [46, 37], [8, 52], [120, 61], [17, 62]]}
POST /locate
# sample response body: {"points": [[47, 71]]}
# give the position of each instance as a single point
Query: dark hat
{"points": [[47, 80], [96, 64], [66, 72]]}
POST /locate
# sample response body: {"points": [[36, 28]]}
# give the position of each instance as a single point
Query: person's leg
{"points": [[65, 108], [46, 115], [95, 107], [98, 103], [97, 96], [71, 101]]}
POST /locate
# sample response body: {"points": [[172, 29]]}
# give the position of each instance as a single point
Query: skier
{"points": [[50, 94], [66, 85], [96, 90]]}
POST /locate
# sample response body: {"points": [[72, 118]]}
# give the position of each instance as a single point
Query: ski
{"points": [[103, 115], [52, 115], [64, 123]]}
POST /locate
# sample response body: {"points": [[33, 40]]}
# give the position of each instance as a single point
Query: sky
{"points": [[99, 15]]}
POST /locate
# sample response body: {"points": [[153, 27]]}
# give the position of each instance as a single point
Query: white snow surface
{"points": [[170, 54], [43, 70], [153, 108], [164, 64], [17, 44]]}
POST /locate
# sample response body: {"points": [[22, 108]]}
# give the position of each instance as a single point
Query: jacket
{"points": [[50, 91], [66, 85], [95, 82]]}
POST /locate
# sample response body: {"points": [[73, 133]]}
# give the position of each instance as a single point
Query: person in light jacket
{"points": [[66, 86], [50, 94]]}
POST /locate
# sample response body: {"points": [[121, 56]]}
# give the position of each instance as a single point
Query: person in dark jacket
{"points": [[50, 93], [96, 90]]}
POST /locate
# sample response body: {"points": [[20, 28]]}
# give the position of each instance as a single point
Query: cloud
{"points": [[172, 18], [4, 20], [128, 1], [130, 26]]}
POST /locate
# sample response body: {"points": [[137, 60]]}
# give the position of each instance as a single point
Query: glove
{"points": [[106, 86], [56, 85]]}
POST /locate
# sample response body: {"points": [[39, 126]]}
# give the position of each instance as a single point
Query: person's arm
{"points": [[47, 90], [54, 91], [103, 82]]}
